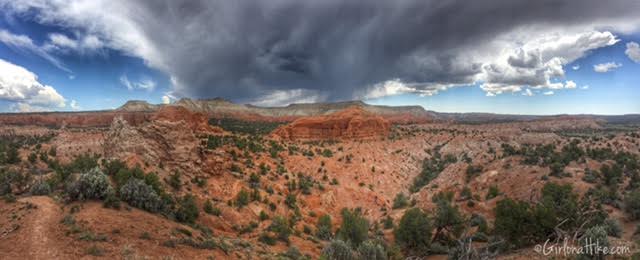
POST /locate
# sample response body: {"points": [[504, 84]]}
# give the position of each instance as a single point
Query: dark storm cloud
{"points": [[245, 49]]}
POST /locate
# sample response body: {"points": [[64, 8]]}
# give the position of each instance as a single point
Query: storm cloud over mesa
{"points": [[263, 51]]}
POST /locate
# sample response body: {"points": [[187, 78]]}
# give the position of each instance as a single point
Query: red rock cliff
{"points": [[193, 120], [351, 123]]}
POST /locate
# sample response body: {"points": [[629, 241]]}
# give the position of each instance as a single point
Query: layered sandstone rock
{"points": [[197, 122], [351, 123], [171, 137]]}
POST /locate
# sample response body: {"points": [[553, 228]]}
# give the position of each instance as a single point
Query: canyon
{"points": [[306, 161]]}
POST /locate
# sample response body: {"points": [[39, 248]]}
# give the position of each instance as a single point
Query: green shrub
{"points": [[52, 151], [324, 227], [140, 195], [305, 183], [92, 184], [414, 231], [9, 179], [263, 215], [280, 226], [632, 204], [294, 253], [515, 222], [388, 222], [306, 229], [12, 156], [327, 153], [557, 169], [480, 222], [153, 180], [216, 211], [466, 194], [44, 157], [95, 251], [595, 235], [208, 207], [113, 166], [187, 210], [174, 181], [371, 250], [291, 201], [9, 198], [242, 199], [400, 201], [613, 227], [40, 187], [111, 201], [522, 224], [558, 203], [473, 171], [267, 239], [32, 157], [431, 168], [338, 250], [354, 228], [145, 235], [84, 163], [493, 192], [254, 180], [448, 221]]}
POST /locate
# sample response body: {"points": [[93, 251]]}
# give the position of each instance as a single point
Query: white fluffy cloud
{"points": [[21, 86], [143, 84], [397, 87], [74, 105], [570, 84], [539, 61], [527, 93], [548, 93], [606, 67], [166, 99], [633, 51]]}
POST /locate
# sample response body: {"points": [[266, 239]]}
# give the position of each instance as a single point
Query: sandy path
{"points": [[45, 218]]}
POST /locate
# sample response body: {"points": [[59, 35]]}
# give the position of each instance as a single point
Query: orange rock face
{"points": [[194, 120], [350, 123]]}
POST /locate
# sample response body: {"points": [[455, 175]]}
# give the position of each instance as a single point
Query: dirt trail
{"points": [[45, 218]]}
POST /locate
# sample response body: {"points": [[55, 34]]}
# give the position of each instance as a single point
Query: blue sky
{"points": [[92, 58]]}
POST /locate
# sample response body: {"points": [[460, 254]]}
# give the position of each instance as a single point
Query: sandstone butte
{"points": [[351, 123], [195, 121]]}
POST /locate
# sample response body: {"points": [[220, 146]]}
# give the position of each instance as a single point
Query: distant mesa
{"points": [[350, 123], [138, 106]]}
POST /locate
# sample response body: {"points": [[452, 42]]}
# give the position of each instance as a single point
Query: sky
{"points": [[501, 56]]}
